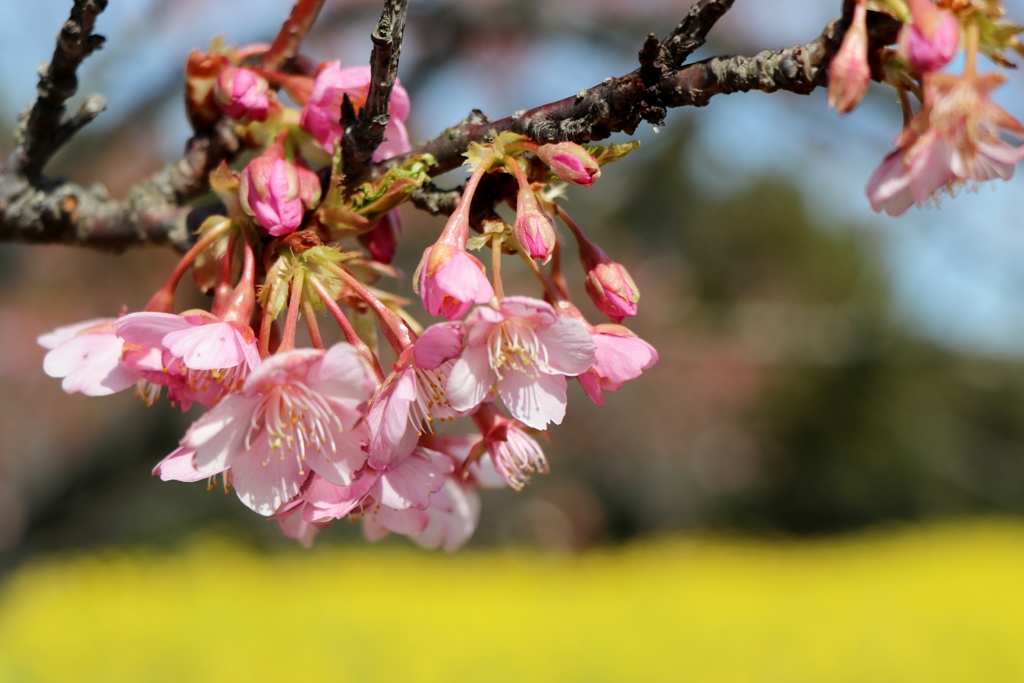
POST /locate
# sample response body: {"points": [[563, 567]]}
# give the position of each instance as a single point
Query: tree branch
{"points": [[621, 104], [43, 211], [365, 133], [292, 33], [692, 31], [43, 129]]}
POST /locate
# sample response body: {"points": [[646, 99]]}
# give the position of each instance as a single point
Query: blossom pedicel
{"points": [[309, 435]]}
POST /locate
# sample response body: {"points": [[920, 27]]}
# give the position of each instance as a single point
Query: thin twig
{"points": [[365, 134], [692, 31], [292, 33], [37, 137]]}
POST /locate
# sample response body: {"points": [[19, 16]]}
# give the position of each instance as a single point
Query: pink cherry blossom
{"points": [[87, 356], [514, 453], [203, 357], [300, 411], [451, 280], [620, 357], [957, 140], [522, 348], [322, 114], [242, 93]]}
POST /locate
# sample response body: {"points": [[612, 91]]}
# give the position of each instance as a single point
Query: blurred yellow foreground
{"points": [[940, 604]]}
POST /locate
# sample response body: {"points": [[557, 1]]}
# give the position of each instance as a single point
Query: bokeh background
{"points": [[793, 493]]}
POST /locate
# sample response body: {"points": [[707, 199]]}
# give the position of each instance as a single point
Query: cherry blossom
{"points": [[620, 357], [521, 348], [87, 355], [300, 411]]}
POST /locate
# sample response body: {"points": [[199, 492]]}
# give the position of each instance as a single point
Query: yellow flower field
{"points": [[935, 604]]}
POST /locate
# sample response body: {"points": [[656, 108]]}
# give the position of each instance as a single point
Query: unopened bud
{"points": [[242, 93], [930, 41], [269, 193], [612, 290], [570, 162], [534, 229], [849, 72]]}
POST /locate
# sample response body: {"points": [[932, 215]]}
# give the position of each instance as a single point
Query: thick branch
{"points": [[621, 104], [292, 33], [365, 133], [43, 130]]}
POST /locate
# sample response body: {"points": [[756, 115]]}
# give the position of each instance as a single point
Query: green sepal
{"points": [[607, 154]]}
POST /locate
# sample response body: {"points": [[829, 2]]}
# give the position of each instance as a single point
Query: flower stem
{"points": [[499, 290], [294, 304], [163, 300], [971, 51], [397, 332], [314, 329], [347, 329]]}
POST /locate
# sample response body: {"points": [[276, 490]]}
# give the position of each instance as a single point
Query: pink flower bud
{"points": [[612, 290], [848, 72], [241, 93], [269, 192], [570, 162], [382, 241], [930, 41], [534, 229]]}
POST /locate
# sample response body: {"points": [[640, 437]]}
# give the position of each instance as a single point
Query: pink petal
{"points": [[437, 344], [178, 466], [461, 278], [392, 436], [52, 339], [888, 189], [342, 374], [208, 347], [90, 364], [621, 358], [569, 346], [534, 401], [265, 479], [149, 329], [409, 485], [325, 501], [470, 380], [340, 467]]}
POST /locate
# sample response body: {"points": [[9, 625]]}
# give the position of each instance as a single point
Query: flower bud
{"points": [[269, 192], [201, 72], [241, 93], [848, 72], [612, 290], [930, 41], [534, 229], [570, 162]]}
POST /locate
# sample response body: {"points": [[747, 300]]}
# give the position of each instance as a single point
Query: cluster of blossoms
{"points": [[306, 436], [957, 136]]}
